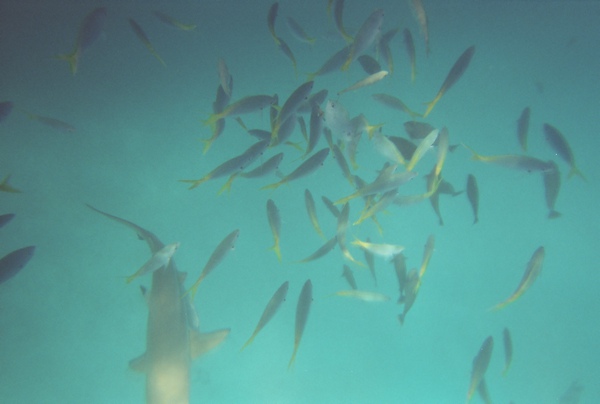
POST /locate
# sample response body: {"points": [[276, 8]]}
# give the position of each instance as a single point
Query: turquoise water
{"points": [[68, 322]]}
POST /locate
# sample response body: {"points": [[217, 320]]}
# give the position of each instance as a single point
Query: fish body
{"points": [[269, 311], [15, 261], [365, 36], [171, 342], [302, 310], [551, 188], [523, 128], [367, 81], [480, 365], [159, 259], [139, 32], [275, 224], [310, 165], [473, 196], [560, 145]]}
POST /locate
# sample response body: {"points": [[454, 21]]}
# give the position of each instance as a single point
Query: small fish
{"points": [[508, 350], [551, 188], [514, 161], [365, 37], [386, 251], [338, 11], [245, 105], [534, 267], [270, 310], [311, 164], [473, 196], [422, 148], [523, 128], [321, 251], [363, 295], [6, 108], [159, 259], [560, 145], [226, 245], [14, 261], [421, 17], [89, 31], [167, 19], [369, 64], [6, 187], [349, 276], [459, 67], [271, 17], [367, 81], [302, 310], [311, 209], [395, 103], [4, 219], [480, 365], [275, 224], [298, 32], [53, 123], [144, 39], [410, 49]]}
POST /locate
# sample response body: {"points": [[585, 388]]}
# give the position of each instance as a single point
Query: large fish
{"points": [[171, 341]]}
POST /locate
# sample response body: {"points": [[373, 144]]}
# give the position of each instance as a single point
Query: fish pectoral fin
{"points": [[139, 364], [201, 343]]}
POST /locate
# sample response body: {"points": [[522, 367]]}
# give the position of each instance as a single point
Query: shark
{"points": [[173, 337]]}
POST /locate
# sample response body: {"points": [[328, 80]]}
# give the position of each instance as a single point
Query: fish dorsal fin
{"points": [[201, 343], [139, 364]]}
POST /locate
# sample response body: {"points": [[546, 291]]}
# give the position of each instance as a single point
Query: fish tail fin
{"points": [[553, 214], [195, 183], [71, 58], [432, 103], [6, 187], [575, 171]]}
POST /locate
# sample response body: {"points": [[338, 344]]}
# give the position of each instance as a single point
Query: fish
{"points": [[6, 187], [560, 145], [363, 295], [410, 49], [473, 196], [90, 29], [53, 123], [307, 167], [139, 32], [338, 11], [311, 209], [422, 148], [523, 128], [171, 342], [232, 165], [365, 36], [370, 259], [387, 251], [459, 67], [14, 262], [321, 251], [515, 161], [349, 276], [421, 17], [298, 32], [6, 108], [167, 19], [224, 247], [245, 105], [534, 267], [395, 103], [4, 219], [551, 188], [369, 64], [271, 18], [427, 253], [269, 312], [159, 259], [291, 105], [302, 310], [480, 365], [334, 63], [275, 224], [367, 81], [508, 350]]}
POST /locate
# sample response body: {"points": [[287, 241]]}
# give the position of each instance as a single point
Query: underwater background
{"points": [[69, 323]]}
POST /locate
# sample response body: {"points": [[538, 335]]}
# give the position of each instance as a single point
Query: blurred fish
{"points": [[459, 67], [508, 350], [338, 11], [551, 188], [367, 81], [473, 196], [387, 251], [159, 259], [321, 251], [523, 128], [369, 64], [421, 17], [480, 365], [224, 247], [560, 145], [275, 224], [395, 103], [139, 32], [14, 261], [269, 311], [90, 29], [246, 105], [167, 19], [365, 37], [53, 123], [349, 276], [410, 49], [6, 187], [5, 109], [363, 295], [4, 219], [307, 167], [298, 32], [311, 209], [332, 64], [422, 148], [534, 267], [515, 161], [302, 310], [271, 17]]}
